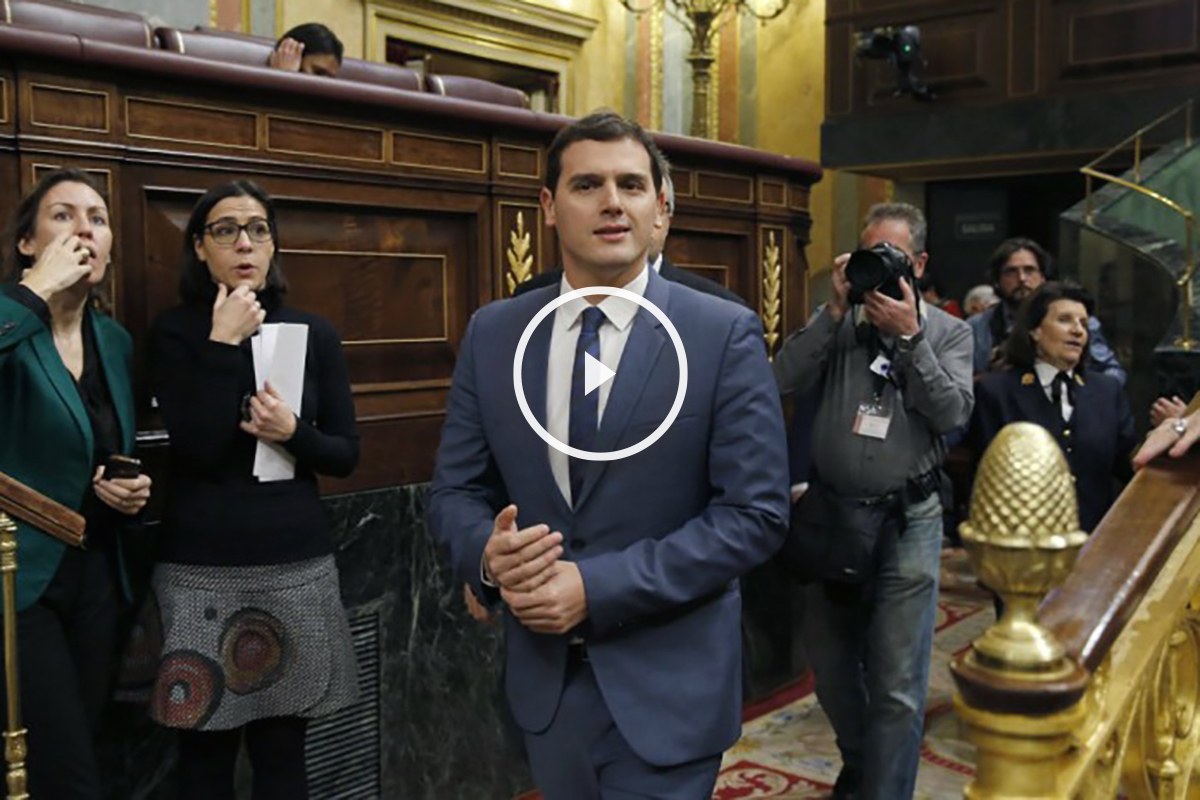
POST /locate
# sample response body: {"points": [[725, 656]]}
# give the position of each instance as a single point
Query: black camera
{"points": [[880, 268], [899, 45]]}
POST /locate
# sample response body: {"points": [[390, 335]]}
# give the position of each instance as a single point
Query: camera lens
{"points": [[866, 270]]}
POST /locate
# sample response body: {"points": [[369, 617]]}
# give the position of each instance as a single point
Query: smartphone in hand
{"points": [[119, 466]]}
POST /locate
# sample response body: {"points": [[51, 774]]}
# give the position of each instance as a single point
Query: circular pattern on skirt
{"points": [[254, 649], [188, 689]]}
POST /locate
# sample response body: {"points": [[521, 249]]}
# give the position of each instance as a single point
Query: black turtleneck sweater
{"points": [[217, 512]]}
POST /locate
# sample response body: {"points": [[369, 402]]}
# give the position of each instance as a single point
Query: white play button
{"points": [[594, 373]]}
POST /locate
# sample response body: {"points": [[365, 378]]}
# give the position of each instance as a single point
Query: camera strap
{"points": [[882, 359]]}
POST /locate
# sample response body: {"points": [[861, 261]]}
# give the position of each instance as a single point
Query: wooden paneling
{"points": [[324, 139], [718, 273], [518, 161], [772, 192], [965, 59], [726, 188], [189, 123], [1023, 46], [1147, 30], [68, 108], [987, 51], [1097, 45], [442, 153], [374, 298], [839, 69], [682, 181], [718, 249]]}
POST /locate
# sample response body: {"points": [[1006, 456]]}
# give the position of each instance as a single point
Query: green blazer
{"points": [[45, 436]]}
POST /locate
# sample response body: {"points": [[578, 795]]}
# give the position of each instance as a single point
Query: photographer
{"points": [[892, 375]]}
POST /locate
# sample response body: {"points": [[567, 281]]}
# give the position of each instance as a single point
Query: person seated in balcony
{"points": [[67, 412], [1017, 268], [310, 48], [1049, 381]]}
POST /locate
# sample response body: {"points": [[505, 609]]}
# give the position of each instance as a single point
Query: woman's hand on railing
{"points": [[1174, 436], [127, 495], [1165, 408]]}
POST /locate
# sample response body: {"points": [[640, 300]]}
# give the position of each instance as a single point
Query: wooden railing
{"points": [[39, 511]]}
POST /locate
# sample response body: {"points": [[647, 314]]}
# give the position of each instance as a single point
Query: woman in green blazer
{"points": [[66, 406]]}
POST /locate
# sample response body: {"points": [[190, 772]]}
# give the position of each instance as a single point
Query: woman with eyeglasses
{"points": [[66, 422], [255, 639]]}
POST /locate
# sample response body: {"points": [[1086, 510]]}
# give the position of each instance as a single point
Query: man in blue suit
{"points": [[618, 578]]}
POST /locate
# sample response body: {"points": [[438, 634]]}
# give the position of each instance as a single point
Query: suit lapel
{"points": [[117, 378], [646, 339], [533, 381], [64, 384]]}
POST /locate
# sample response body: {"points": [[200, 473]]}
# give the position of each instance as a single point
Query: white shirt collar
{"points": [[657, 265], [1046, 373], [617, 310]]}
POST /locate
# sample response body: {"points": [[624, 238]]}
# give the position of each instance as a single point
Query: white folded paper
{"points": [[279, 349]]}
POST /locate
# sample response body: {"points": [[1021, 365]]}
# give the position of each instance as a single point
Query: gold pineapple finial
{"points": [[1023, 536]]}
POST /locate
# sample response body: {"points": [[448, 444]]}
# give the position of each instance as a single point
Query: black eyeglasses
{"points": [[226, 232]]}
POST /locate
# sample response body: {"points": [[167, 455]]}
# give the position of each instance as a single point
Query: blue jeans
{"points": [[870, 653]]}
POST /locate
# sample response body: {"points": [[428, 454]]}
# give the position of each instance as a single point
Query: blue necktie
{"points": [[585, 409]]}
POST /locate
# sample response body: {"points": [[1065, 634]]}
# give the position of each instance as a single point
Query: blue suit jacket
{"points": [[660, 537], [1101, 439]]}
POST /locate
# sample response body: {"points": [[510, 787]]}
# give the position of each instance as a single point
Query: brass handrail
{"points": [[15, 749], [1189, 219]]}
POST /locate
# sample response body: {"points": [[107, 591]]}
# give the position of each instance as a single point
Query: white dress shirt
{"points": [[614, 333], [1046, 375]]}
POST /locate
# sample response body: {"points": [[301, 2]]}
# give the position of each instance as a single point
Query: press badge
{"points": [[881, 366], [872, 420]]}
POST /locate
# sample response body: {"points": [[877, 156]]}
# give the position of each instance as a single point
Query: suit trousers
{"points": [[66, 647], [870, 649], [583, 756]]}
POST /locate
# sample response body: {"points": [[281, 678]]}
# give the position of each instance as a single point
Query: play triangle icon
{"points": [[594, 373]]}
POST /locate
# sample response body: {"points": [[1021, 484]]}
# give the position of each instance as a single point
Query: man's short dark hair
{"points": [[317, 39], [602, 126], [1009, 247], [1020, 350]]}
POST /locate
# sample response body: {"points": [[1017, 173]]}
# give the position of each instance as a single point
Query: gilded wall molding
{"points": [[518, 255], [771, 303], [509, 31]]}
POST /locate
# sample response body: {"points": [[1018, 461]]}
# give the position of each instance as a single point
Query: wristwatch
{"points": [[906, 344]]}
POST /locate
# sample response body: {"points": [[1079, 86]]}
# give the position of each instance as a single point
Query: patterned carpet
{"points": [[788, 752]]}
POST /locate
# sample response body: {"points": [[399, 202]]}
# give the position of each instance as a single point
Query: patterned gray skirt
{"points": [[238, 644]]}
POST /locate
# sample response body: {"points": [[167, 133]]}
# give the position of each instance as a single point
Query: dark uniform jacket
{"points": [[1097, 442]]}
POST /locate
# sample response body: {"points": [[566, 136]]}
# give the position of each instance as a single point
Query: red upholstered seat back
{"points": [[101, 24], [239, 48], [235, 48], [476, 89], [397, 77]]}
